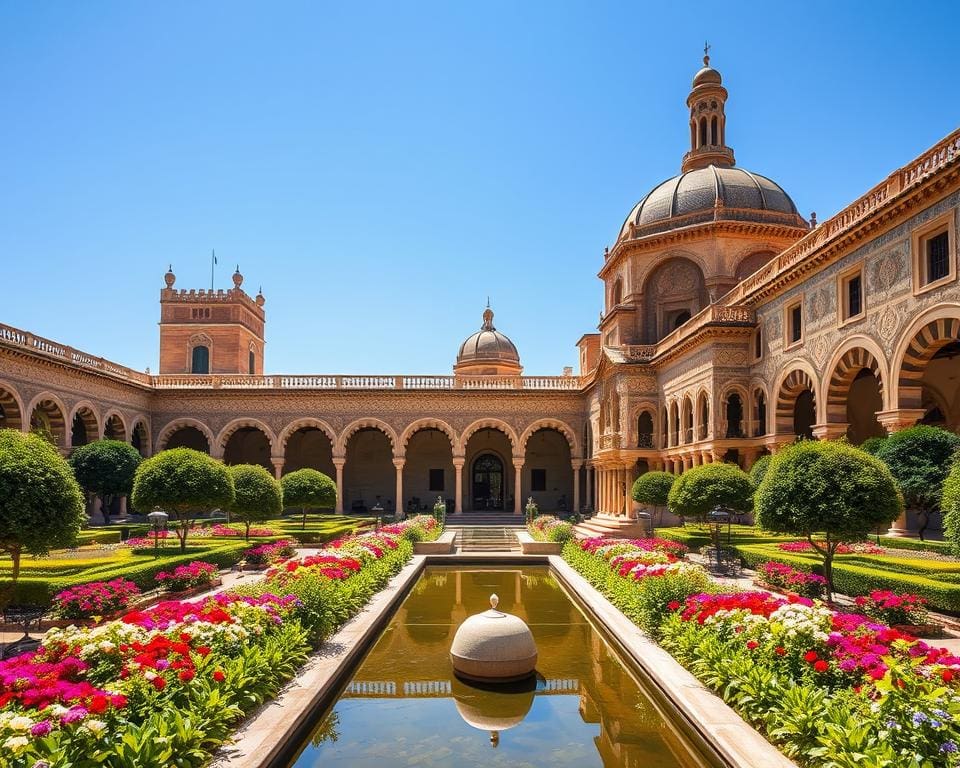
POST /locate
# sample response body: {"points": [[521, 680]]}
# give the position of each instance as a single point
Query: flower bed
{"points": [[854, 548], [165, 685], [263, 555], [417, 528], [549, 528], [197, 574], [786, 579], [829, 688], [893, 609], [98, 598]]}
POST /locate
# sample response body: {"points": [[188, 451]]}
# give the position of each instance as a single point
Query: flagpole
{"points": [[213, 260]]}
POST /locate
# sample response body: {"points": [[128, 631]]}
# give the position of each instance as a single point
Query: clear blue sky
{"points": [[380, 168]]}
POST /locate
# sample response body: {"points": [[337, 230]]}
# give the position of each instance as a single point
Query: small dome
{"points": [[488, 351], [707, 75], [494, 646], [714, 192]]}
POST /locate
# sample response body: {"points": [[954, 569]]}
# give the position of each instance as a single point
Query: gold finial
{"points": [[706, 53], [494, 601]]}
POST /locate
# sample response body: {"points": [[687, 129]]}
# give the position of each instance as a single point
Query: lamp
{"points": [[158, 519], [716, 518]]}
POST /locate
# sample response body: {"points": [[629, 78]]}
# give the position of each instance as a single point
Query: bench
{"points": [[530, 546], [443, 545]]}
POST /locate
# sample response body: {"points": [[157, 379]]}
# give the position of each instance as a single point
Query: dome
{"points": [[711, 193], [488, 351], [494, 646], [707, 75]]}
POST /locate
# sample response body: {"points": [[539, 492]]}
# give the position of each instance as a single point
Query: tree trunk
{"points": [[248, 531], [827, 555], [182, 531], [303, 525], [9, 592], [923, 518]]}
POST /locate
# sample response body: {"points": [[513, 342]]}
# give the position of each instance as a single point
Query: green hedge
{"points": [[696, 536], [141, 571], [895, 542], [856, 577]]}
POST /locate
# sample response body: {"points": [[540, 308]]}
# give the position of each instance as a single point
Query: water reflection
{"points": [[405, 707]]}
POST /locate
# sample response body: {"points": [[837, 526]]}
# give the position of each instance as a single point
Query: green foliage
{"points": [[257, 495], [950, 504], [919, 459], [759, 469], [185, 482], [653, 488], [308, 489], [41, 505], [700, 489], [872, 444], [105, 468]]}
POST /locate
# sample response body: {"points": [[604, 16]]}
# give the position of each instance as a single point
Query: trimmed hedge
{"points": [[38, 589], [895, 542]]}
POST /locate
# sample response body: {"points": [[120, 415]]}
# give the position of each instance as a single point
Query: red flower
{"points": [[186, 675], [159, 683], [821, 666], [673, 605], [203, 650], [98, 704], [780, 650], [810, 656], [947, 676], [219, 676], [118, 700], [752, 644]]}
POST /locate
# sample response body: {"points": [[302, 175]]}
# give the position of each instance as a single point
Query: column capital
{"points": [[830, 430], [339, 461], [899, 418], [518, 462], [459, 461], [277, 461], [398, 463], [576, 464]]}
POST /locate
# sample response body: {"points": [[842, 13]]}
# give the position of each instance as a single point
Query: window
{"points": [[538, 479], [851, 301], [794, 323], [934, 253], [253, 363], [680, 319], [200, 362], [758, 344], [938, 257], [436, 480]]}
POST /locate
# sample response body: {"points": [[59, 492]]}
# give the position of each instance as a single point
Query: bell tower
{"points": [[708, 123], [211, 332]]}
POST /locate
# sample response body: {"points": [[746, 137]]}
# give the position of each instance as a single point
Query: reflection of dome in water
{"points": [[490, 708], [494, 646]]}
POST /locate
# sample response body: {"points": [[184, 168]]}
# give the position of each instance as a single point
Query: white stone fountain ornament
{"points": [[494, 646]]}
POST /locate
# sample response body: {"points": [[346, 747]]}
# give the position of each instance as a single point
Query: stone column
{"points": [[338, 462], [687, 463], [829, 431], [628, 468], [517, 478], [277, 462], [575, 466], [899, 418], [398, 463], [590, 500], [458, 462], [670, 427]]}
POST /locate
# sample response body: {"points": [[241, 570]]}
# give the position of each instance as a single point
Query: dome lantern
{"points": [[708, 122], [488, 352]]}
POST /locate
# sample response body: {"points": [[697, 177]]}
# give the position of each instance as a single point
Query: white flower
{"points": [[16, 743], [96, 727], [20, 723]]}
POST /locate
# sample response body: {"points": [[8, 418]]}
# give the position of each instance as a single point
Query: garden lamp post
{"points": [[158, 519], [716, 518]]}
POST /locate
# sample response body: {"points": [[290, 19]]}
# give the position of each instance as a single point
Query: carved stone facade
{"points": [[731, 326]]}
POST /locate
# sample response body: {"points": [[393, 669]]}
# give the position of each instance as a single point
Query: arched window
{"points": [[253, 363], [617, 292], [734, 416], [645, 430], [761, 402], [714, 135], [703, 132], [201, 360], [680, 319]]}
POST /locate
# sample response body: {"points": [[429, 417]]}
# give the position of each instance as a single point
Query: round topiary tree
{"points": [[105, 468], [759, 469], [41, 504], [183, 482], [308, 489], [257, 495], [653, 488], [950, 505], [872, 444], [700, 489], [828, 489], [919, 459]]}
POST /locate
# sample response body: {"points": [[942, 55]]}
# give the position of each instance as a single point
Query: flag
{"points": [[213, 253]]}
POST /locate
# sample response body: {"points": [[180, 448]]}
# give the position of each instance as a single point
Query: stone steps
{"points": [[613, 527], [486, 538]]}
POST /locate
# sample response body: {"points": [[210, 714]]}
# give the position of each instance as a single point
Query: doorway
{"points": [[487, 482]]}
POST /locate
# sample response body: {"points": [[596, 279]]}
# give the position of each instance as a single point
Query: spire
{"points": [[708, 122]]}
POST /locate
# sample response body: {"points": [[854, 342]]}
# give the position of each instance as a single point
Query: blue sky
{"points": [[381, 168]]}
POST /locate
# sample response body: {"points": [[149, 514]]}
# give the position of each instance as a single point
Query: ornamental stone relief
{"points": [[678, 278], [821, 303], [887, 270], [887, 323]]}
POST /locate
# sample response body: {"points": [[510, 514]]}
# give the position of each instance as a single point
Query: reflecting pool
{"points": [[404, 706]]}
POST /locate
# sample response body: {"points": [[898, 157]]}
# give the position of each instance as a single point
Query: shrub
{"points": [[41, 505], [890, 608], [829, 487], [264, 554], [105, 468], [189, 576], [789, 579], [919, 459], [950, 504], [184, 482], [98, 598], [308, 489], [653, 489], [257, 497], [700, 489], [759, 469], [872, 444]]}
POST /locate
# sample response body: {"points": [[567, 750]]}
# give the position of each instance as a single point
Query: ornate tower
{"points": [[708, 123], [205, 332]]}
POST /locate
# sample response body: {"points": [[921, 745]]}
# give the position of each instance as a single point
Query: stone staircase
{"points": [[486, 538], [612, 527]]}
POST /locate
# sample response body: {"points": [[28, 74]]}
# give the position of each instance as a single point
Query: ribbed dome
{"points": [[488, 347], [712, 193], [707, 75]]}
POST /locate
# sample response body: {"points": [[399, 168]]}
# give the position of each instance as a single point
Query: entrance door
{"points": [[488, 482]]}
